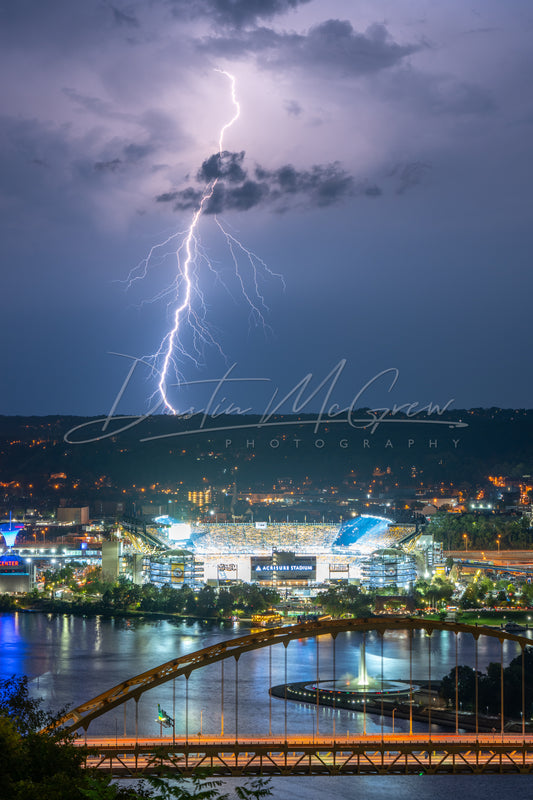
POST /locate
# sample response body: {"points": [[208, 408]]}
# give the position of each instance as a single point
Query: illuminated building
{"points": [[74, 516], [111, 556], [175, 568], [16, 574], [233, 551], [391, 567], [200, 498]]}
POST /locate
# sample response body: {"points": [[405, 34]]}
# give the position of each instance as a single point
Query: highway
{"points": [[392, 753]]}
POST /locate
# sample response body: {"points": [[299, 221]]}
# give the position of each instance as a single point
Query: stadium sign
{"points": [[283, 566]]}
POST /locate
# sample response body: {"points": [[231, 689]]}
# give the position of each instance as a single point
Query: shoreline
{"points": [[422, 712]]}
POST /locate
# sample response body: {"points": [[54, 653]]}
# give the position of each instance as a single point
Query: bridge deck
{"points": [[392, 754]]}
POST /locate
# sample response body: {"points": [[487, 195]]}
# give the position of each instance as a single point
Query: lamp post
{"points": [[498, 538], [393, 710], [465, 537]]}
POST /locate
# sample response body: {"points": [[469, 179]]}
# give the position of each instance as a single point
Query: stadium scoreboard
{"points": [[283, 567]]}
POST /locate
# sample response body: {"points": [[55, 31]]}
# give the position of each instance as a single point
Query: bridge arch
{"points": [[134, 687]]}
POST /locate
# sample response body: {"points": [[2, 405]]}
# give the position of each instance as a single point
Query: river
{"points": [[71, 659]]}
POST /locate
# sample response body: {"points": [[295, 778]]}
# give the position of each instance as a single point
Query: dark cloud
{"points": [[238, 198], [235, 13], [183, 199], [108, 166], [322, 185], [334, 47], [223, 165]]}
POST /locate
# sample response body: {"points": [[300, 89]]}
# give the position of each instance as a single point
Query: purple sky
{"points": [[381, 164]]}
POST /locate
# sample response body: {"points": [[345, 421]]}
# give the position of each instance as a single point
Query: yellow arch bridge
{"points": [[470, 747]]}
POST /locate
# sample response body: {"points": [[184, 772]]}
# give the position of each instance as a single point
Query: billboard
{"points": [[227, 571], [283, 567]]}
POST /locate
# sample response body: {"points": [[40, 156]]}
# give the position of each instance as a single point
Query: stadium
{"points": [[287, 553]]}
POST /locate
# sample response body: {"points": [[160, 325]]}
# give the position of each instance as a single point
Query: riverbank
{"points": [[91, 610], [96, 608], [496, 618]]}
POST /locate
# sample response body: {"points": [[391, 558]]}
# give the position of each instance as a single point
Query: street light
{"points": [[393, 710], [498, 538], [465, 537], [200, 732]]}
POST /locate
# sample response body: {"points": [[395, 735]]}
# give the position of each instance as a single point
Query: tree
{"points": [[345, 600], [206, 602], [41, 761], [43, 765], [489, 686], [224, 603]]}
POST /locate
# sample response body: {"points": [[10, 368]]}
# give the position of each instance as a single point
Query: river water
{"points": [[71, 659]]}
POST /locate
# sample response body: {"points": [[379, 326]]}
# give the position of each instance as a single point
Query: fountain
{"points": [[364, 685]]}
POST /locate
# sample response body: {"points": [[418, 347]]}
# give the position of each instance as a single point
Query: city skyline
{"points": [[379, 165]]}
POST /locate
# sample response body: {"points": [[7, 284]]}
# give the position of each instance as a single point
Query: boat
{"points": [[514, 627]]}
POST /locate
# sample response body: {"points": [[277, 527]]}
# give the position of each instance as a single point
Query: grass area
{"points": [[487, 617], [496, 617]]}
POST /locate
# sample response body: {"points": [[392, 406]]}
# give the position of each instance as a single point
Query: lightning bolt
{"points": [[188, 307]]}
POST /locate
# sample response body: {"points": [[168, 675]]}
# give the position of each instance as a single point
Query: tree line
{"points": [[123, 597], [489, 687], [481, 532]]}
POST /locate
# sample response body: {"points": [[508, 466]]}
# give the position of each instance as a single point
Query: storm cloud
{"points": [[321, 185], [223, 165], [332, 47], [235, 13]]}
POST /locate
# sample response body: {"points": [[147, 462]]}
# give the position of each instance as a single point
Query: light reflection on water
{"points": [[71, 659], [401, 787]]}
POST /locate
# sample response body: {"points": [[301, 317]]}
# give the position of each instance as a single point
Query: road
{"points": [[394, 753]]}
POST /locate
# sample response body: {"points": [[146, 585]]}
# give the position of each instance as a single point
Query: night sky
{"points": [[381, 164]]}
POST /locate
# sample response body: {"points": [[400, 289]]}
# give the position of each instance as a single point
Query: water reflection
{"points": [[71, 659]]}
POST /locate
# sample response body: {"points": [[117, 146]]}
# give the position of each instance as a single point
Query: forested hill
{"points": [[459, 446]]}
